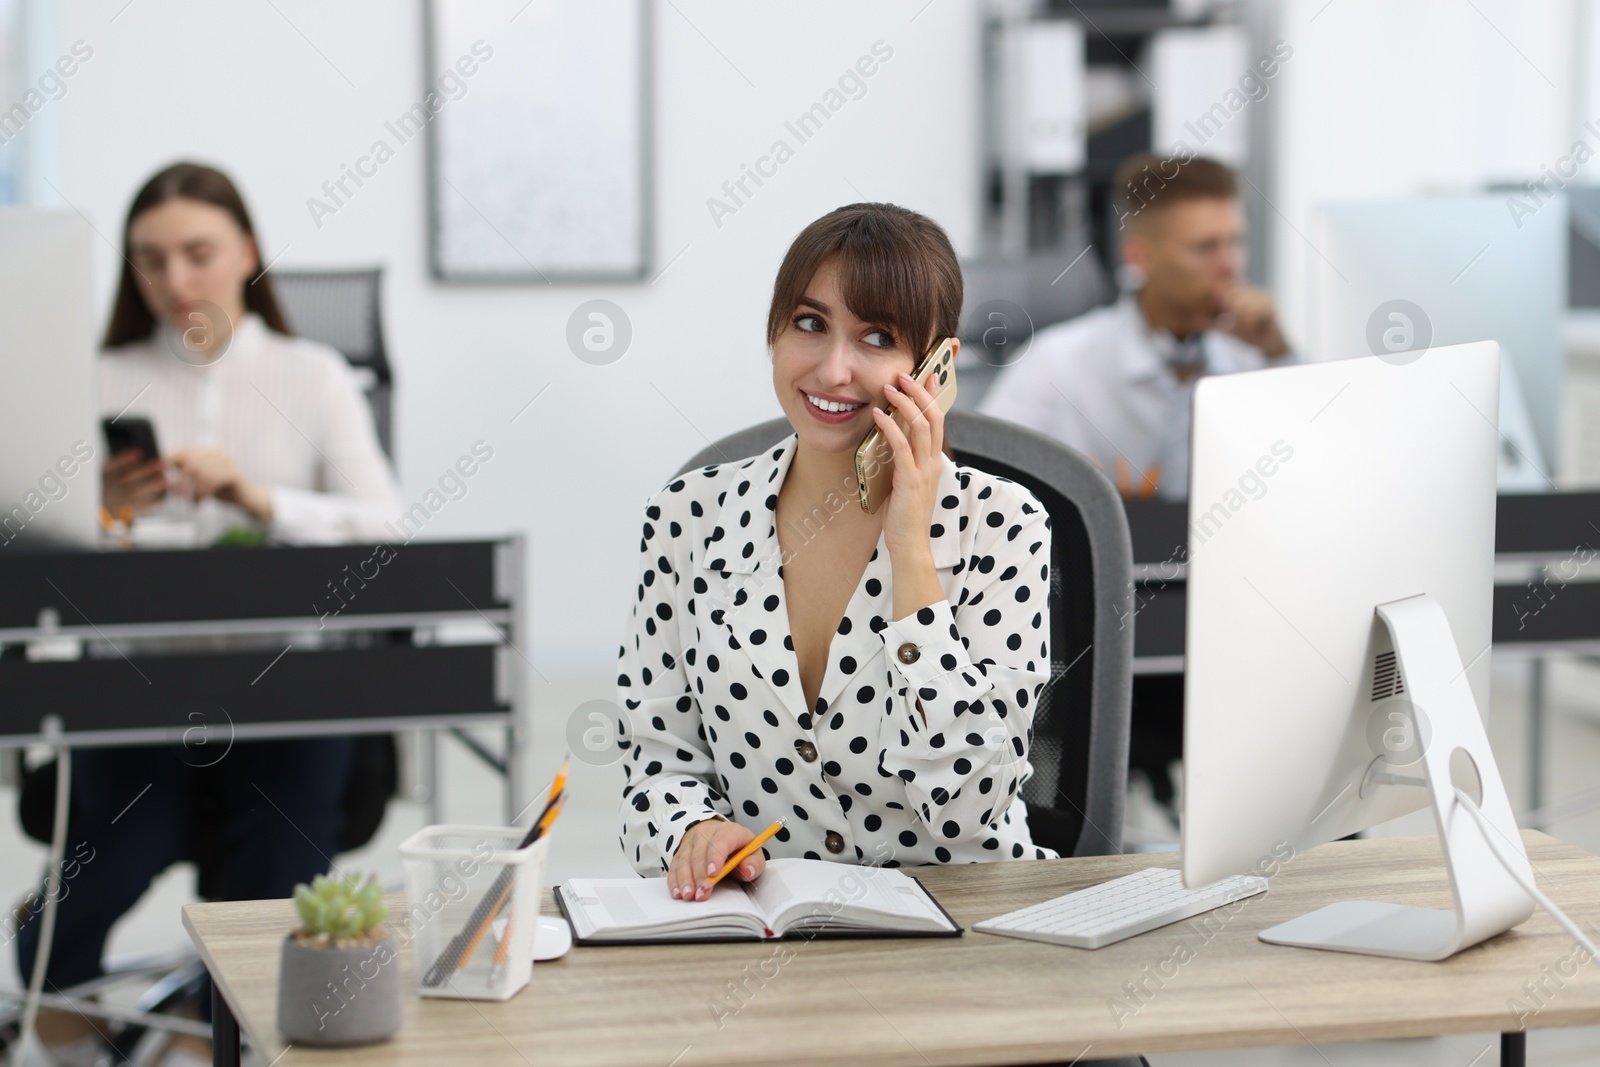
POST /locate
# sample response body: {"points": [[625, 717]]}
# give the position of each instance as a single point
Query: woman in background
{"points": [[257, 430]]}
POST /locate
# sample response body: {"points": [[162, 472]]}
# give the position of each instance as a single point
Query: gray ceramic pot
{"points": [[339, 996]]}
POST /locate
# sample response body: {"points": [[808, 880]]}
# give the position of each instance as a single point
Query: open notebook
{"points": [[793, 897]]}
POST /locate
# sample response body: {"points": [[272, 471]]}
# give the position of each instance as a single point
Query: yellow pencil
{"points": [[501, 890], [554, 793], [548, 819], [561, 778], [738, 857], [465, 942], [503, 950], [472, 945]]}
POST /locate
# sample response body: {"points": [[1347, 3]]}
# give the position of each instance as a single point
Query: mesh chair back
{"points": [[340, 309], [1079, 748]]}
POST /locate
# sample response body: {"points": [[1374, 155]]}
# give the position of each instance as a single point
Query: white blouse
{"points": [[711, 687], [290, 413]]}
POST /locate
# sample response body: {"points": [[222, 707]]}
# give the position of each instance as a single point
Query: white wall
{"points": [[244, 87], [1389, 98]]}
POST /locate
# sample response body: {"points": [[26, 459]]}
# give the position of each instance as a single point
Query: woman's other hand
{"points": [[130, 482], [208, 472], [705, 847]]}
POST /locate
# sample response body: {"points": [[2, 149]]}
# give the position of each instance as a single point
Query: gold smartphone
{"points": [[874, 457]]}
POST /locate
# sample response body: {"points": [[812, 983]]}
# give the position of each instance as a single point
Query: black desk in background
{"points": [[1542, 609], [1545, 529], [365, 672], [1525, 524]]}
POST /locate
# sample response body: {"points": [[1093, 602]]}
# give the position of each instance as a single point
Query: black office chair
{"points": [[340, 308], [1079, 747]]}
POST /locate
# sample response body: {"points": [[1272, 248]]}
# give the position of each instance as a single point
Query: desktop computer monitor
{"points": [[1340, 582], [50, 447]]}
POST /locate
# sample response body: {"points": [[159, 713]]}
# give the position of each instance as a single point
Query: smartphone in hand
{"points": [[874, 457], [130, 431]]}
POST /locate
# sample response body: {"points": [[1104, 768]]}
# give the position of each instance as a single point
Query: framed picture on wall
{"points": [[538, 121]]}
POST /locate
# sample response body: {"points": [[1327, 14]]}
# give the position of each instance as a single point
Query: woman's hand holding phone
{"points": [[132, 483], [705, 847], [918, 460]]}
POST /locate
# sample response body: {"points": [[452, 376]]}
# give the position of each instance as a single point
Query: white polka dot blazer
{"points": [[711, 686]]}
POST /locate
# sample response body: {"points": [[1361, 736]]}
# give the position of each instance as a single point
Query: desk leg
{"points": [[1514, 1049], [430, 774], [225, 1031], [1536, 732]]}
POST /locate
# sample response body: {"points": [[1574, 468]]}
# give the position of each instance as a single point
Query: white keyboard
{"points": [[1111, 911]]}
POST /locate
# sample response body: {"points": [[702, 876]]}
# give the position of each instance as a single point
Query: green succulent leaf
{"points": [[305, 905], [340, 907]]}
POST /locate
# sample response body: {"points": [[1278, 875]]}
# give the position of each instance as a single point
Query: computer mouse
{"points": [[552, 939]]}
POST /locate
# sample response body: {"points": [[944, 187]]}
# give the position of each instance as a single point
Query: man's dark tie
{"points": [[1188, 356]]}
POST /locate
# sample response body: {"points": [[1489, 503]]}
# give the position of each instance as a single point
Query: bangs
{"points": [[896, 270], [890, 290]]}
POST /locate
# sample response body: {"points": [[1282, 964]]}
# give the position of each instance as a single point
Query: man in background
{"points": [[1116, 383]]}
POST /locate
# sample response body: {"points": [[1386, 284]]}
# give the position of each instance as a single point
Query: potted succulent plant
{"points": [[340, 979]]}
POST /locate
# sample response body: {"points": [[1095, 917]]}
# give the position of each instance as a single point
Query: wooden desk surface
{"points": [[980, 998]]}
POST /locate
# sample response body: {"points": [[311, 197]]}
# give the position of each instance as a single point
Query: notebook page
{"points": [[792, 889], [638, 907]]}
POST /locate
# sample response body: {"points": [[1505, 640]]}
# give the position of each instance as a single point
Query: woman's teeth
{"points": [[830, 405]]}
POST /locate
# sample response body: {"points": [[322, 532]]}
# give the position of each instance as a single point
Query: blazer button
{"points": [[909, 653], [807, 750], [834, 842]]}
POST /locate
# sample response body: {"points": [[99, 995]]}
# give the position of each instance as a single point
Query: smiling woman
{"points": [[869, 678], [881, 265]]}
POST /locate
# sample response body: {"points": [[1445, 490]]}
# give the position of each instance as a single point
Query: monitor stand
{"points": [[1455, 752]]}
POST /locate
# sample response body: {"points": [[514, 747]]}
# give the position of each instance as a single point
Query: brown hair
{"points": [[896, 268], [131, 319], [1147, 181]]}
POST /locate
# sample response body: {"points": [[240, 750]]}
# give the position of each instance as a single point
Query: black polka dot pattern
{"points": [[907, 762]]}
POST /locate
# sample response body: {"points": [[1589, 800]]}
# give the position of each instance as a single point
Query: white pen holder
{"points": [[473, 900]]}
